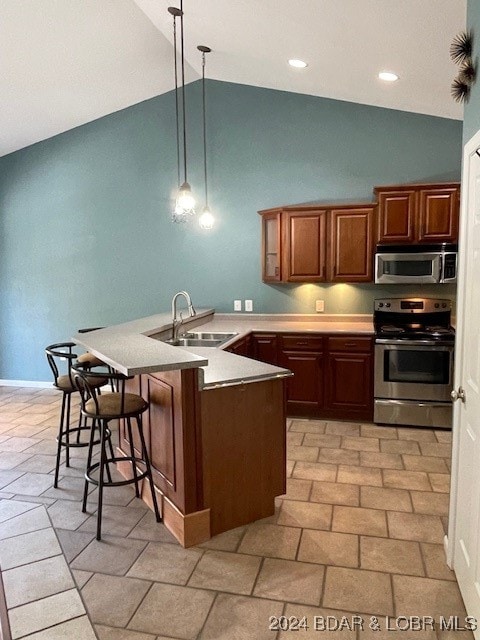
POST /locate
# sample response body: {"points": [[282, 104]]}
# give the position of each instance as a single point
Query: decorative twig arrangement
{"points": [[461, 51]]}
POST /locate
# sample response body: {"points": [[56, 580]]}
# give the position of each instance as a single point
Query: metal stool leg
{"points": [[59, 440], [103, 426], [67, 431], [146, 457], [89, 462], [132, 453]]}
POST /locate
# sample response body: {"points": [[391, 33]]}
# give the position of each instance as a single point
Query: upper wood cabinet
{"points": [[412, 214], [333, 244]]}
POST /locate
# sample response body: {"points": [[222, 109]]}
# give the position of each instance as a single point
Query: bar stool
{"points": [[117, 405], [66, 384]]}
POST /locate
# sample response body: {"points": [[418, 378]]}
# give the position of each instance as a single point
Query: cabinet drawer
{"points": [[295, 342], [351, 344]]}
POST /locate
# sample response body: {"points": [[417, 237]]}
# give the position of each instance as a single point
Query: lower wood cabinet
{"points": [[264, 347]]}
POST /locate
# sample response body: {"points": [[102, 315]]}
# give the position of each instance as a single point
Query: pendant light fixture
{"points": [[206, 219], [184, 202]]}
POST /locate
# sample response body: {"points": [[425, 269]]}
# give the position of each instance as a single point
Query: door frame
{"points": [[469, 156]]}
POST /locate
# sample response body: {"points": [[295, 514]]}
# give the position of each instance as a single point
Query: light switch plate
{"points": [[248, 305], [320, 306], [237, 305]]}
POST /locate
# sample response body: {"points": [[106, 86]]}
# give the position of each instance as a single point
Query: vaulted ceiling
{"points": [[67, 62]]}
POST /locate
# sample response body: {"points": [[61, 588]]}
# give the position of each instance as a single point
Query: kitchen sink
{"points": [[201, 339]]}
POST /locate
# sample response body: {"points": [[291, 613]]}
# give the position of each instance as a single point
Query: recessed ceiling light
{"points": [[299, 64], [388, 76]]}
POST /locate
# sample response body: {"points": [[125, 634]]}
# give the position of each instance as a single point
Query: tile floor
{"points": [[359, 532]]}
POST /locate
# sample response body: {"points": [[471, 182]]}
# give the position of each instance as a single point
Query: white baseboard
{"points": [[26, 383]]}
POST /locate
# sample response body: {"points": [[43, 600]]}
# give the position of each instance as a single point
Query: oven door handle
{"points": [[442, 346]]}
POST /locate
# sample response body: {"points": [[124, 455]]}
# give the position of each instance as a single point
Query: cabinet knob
{"points": [[458, 395]]}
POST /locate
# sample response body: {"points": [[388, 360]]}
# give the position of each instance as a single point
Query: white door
{"points": [[464, 525]]}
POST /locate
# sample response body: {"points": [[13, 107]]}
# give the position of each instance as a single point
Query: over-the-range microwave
{"points": [[416, 264]]}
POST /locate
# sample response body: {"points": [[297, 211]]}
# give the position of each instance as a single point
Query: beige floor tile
{"points": [[343, 429], [415, 526], [436, 563], [112, 633], [30, 484], [38, 464], [358, 590], [240, 618], [339, 456], [294, 439], [223, 571], [444, 435], [34, 499], [298, 489], [290, 467], [31, 418], [36, 580], [10, 509], [78, 628], [271, 540], [417, 434], [382, 498], [149, 529], [7, 477], [312, 515], [17, 444], [10, 459], [359, 520], [73, 542], [116, 521], [81, 577], [328, 441], [381, 460], [374, 431], [434, 449], [335, 493], [329, 548], [227, 541], [110, 555], [359, 475], [44, 613], [424, 463], [28, 547], [308, 454], [291, 581], [32, 520], [309, 614], [400, 446], [361, 444], [440, 482], [166, 563], [414, 480], [435, 504], [315, 471], [392, 556], [173, 611], [112, 600], [66, 514], [387, 630], [424, 596], [308, 426], [68, 489]]}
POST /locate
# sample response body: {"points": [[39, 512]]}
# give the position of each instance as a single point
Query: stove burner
{"points": [[438, 331], [390, 328]]}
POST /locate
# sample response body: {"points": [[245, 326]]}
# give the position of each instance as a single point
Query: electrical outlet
{"points": [[237, 305], [248, 305], [320, 306]]}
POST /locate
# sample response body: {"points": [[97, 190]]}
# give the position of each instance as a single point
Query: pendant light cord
{"points": [[176, 95], [183, 94], [204, 129]]}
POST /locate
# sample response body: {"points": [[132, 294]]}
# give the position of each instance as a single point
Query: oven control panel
{"points": [[413, 305]]}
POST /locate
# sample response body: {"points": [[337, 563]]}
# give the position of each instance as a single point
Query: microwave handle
{"points": [[440, 268]]}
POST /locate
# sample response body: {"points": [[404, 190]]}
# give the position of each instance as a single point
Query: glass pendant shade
{"points": [[206, 220], [185, 202]]}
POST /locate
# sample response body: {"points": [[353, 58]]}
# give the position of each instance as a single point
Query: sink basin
{"points": [[202, 339]]}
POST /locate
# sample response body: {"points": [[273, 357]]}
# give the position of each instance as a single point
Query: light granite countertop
{"points": [[130, 349]]}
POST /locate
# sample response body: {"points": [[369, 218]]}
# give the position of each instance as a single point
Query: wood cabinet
{"points": [[241, 347], [331, 244], [411, 214], [333, 376], [271, 246], [264, 347]]}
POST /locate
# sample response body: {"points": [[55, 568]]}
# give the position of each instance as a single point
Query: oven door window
{"points": [[417, 367], [407, 267]]}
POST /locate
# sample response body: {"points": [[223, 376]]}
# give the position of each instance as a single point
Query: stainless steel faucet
{"points": [[176, 324]]}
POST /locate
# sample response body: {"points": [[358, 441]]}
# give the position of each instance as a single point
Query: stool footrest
{"points": [[74, 431], [116, 483]]}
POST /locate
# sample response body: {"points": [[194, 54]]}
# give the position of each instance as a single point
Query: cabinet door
{"points": [[350, 385], [305, 245], [438, 215], [396, 216], [305, 387], [350, 255], [264, 348], [271, 246], [241, 347]]}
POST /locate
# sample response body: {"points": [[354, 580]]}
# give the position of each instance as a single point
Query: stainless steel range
{"points": [[414, 348]]}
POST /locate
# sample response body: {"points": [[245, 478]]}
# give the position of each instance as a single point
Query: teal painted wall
{"points": [[471, 122], [85, 234]]}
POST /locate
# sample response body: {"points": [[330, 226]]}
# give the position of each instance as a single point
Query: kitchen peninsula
{"points": [[215, 427]]}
